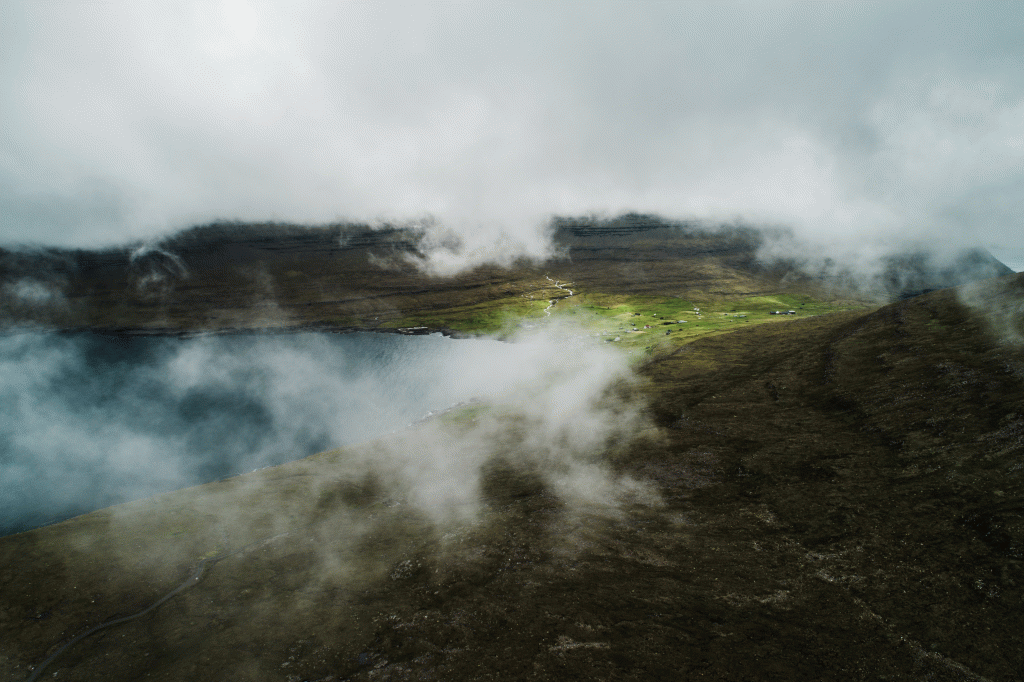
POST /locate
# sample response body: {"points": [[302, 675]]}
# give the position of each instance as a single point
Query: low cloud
{"points": [[31, 292], [106, 420], [155, 271], [851, 124], [998, 304], [34, 285], [552, 414]]}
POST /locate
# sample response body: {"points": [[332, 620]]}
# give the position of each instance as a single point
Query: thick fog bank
{"points": [[95, 420]]}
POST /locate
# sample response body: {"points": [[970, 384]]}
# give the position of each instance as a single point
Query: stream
{"points": [[551, 302]]}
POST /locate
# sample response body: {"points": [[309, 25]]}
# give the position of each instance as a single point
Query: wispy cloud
{"points": [[102, 420]]}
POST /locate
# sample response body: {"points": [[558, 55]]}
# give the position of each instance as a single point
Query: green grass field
{"points": [[634, 321], [651, 323]]}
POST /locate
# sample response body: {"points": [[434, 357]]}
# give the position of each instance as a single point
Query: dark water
{"points": [[87, 420]]}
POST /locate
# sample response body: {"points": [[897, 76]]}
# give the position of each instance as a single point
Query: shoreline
{"points": [[229, 331]]}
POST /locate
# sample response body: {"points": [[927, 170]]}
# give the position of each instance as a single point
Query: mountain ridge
{"points": [[229, 275]]}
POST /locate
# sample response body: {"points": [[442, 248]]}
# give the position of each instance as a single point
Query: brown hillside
{"points": [[229, 276], [843, 500]]}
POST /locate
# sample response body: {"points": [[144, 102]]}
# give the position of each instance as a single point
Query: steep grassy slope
{"points": [[842, 499]]}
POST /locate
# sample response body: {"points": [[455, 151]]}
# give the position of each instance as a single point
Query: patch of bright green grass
{"points": [[639, 323], [490, 317], [648, 324]]}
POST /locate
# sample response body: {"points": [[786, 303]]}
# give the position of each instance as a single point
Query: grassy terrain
{"points": [[643, 323], [640, 324], [841, 492], [522, 301], [841, 499]]}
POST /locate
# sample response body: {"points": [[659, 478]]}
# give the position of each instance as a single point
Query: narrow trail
{"points": [[551, 302], [191, 580]]}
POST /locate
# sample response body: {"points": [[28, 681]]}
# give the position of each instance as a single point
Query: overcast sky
{"points": [[850, 122]]}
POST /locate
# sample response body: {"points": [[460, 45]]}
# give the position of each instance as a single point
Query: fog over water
{"points": [[94, 420]]}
